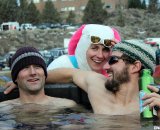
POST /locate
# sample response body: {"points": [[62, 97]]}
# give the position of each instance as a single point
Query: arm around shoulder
{"points": [[67, 75], [60, 75]]}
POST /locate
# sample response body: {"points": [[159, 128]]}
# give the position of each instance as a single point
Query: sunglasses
{"points": [[114, 59], [106, 42]]}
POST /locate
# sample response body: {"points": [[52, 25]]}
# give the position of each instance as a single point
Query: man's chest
{"points": [[112, 108]]}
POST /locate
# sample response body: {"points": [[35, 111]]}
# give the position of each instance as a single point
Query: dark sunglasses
{"points": [[114, 59], [106, 42]]}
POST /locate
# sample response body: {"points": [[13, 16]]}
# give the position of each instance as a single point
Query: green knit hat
{"points": [[138, 50]]}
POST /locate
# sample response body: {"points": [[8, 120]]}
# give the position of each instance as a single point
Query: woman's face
{"points": [[97, 55]]}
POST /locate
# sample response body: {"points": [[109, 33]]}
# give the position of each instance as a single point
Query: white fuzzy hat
{"points": [[102, 31]]}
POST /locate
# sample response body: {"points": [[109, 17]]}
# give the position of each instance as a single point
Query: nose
{"points": [[32, 69], [106, 66], [100, 54]]}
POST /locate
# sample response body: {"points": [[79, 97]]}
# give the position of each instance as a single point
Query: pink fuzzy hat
{"points": [[74, 40]]}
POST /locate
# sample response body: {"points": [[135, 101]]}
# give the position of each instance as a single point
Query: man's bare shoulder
{"points": [[95, 78], [11, 102], [8, 105]]}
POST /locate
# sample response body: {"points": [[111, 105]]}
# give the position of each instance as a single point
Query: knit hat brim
{"points": [[138, 50]]}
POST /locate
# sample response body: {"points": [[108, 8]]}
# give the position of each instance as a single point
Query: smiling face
{"points": [[84, 45], [31, 79], [118, 73], [97, 56]]}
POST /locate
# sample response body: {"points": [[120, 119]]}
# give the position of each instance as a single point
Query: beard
{"points": [[119, 78], [32, 89]]}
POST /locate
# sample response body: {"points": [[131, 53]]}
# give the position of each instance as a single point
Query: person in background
{"points": [[89, 48], [157, 55], [9, 60], [28, 71], [119, 93]]}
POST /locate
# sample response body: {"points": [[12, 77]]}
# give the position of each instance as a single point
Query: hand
{"points": [[9, 87], [152, 99]]}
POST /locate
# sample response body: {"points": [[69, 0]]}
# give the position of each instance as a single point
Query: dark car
{"points": [[2, 62], [44, 26], [55, 53], [55, 25]]}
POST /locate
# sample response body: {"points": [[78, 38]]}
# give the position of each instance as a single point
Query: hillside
{"points": [[138, 24]]}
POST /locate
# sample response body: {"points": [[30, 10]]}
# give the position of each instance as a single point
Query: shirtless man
{"points": [[119, 94], [28, 71]]}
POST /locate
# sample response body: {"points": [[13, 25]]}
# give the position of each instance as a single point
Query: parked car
{"points": [[10, 26], [27, 26], [55, 25], [44, 26], [46, 55], [55, 53], [2, 63], [8, 58]]}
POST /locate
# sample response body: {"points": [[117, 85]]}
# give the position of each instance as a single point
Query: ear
{"points": [[136, 67]]}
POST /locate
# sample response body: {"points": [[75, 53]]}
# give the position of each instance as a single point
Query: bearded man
{"points": [[118, 94]]}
